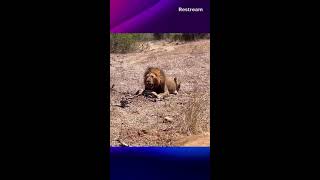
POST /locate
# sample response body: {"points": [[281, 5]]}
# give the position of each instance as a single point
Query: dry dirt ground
{"points": [[179, 120]]}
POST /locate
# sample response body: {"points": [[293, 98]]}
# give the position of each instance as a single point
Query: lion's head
{"points": [[154, 79]]}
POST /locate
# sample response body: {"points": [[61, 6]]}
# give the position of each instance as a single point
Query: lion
{"points": [[159, 84], [173, 85]]}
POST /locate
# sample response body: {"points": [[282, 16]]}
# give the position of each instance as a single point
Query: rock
{"points": [[168, 119], [123, 144], [124, 103], [144, 131]]}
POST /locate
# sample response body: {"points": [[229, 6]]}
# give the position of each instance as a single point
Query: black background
{"points": [[55, 87]]}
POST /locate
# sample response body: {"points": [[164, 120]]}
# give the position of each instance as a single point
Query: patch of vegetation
{"points": [[193, 115], [122, 43], [129, 42], [182, 36]]}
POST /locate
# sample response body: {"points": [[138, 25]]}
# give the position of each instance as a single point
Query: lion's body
{"points": [[155, 80], [173, 85]]}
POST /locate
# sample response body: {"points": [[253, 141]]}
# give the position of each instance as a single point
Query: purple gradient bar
{"points": [[159, 16]]}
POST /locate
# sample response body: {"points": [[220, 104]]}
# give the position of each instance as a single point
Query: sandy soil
{"points": [[179, 120]]}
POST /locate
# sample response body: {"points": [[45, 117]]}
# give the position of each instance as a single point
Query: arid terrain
{"points": [[179, 120]]}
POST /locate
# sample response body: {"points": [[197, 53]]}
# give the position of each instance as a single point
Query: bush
{"points": [[123, 43], [182, 36], [195, 36], [158, 36], [194, 113]]}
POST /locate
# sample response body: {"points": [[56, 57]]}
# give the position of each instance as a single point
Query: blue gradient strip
{"points": [[163, 163]]}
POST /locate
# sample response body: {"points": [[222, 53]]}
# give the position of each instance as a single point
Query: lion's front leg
{"points": [[139, 92], [164, 94]]}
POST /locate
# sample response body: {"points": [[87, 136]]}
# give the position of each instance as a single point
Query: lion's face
{"points": [[151, 80]]}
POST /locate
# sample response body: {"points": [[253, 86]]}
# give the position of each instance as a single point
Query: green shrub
{"points": [[123, 43], [158, 36], [182, 36]]}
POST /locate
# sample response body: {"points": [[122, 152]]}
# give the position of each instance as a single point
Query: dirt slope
{"points": [[161, 123]]}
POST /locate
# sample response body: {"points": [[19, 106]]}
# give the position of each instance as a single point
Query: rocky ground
{"points": [[179, 120]]}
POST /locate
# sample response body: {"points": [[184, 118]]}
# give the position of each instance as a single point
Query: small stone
{"points": [[124, 103], [168, 119]]}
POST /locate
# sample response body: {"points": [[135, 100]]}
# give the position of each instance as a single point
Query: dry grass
{"points": [[194, 114]]}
